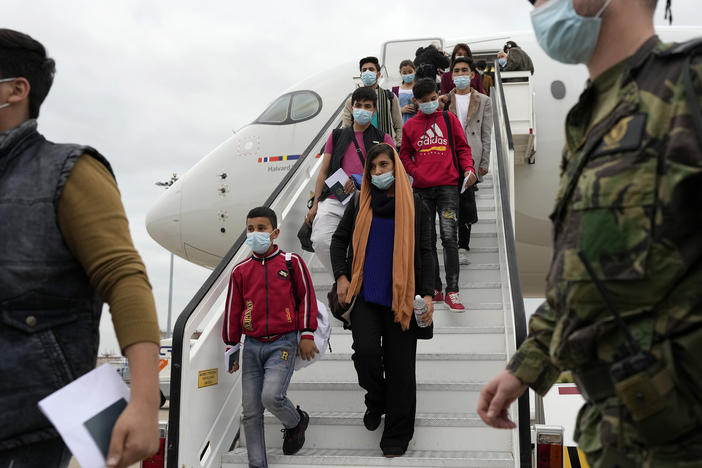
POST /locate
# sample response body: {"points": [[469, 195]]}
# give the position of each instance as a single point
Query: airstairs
{"points": [[467, 349]]}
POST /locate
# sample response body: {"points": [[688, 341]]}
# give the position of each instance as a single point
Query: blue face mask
{"points": [[408, 78], [481, 72], [259, 242], [383, 181], [429, 107], [362, 116], [564, 35], [461, 82], [369, 78], [502, 61]]}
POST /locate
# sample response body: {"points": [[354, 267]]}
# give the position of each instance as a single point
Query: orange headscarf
{"points": [[403, 253]]}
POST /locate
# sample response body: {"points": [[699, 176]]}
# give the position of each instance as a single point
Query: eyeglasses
{"points": [[5, 80]]}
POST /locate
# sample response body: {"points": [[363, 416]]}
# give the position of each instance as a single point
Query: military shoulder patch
{"points": [[283, 274], [626, 135]]}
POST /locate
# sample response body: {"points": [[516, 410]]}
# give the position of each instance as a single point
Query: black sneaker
{"points": [[294, 438], [371, 420]]}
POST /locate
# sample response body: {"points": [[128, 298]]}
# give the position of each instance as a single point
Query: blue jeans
{"points": [[266, 372], [444, 201]]}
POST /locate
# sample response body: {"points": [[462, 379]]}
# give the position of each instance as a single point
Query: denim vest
{"points": [[49, 313]]}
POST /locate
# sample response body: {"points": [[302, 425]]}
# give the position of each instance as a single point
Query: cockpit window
{"points": [[304, 106], [292, 108], [277, 113]]}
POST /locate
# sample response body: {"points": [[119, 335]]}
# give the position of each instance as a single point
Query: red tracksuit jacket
{"points": [[260, 301], [426, 154]]}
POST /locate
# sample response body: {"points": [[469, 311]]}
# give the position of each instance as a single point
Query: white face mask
{"points": [[6, 80]]}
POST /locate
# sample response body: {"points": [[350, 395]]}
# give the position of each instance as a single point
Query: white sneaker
{"points": [[463, 257]]}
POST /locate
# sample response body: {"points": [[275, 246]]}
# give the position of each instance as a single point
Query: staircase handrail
{"points": [[501, 121]]}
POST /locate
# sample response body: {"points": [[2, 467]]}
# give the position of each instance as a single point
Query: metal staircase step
{"points": [[433, 431], [476, 315], [430, 367], [346, 458], [445, 341], [432, 397]]}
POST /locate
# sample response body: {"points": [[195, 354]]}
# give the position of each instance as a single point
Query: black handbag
{"points": [[305, 231], [339, 311], [305, 236]]}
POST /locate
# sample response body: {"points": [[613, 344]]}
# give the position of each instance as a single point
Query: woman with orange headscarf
{"points": [[381, 256]]}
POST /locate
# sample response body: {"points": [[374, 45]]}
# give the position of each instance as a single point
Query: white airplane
{"points": [[202, 213]]}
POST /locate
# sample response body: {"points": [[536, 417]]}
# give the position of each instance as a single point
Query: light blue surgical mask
{"points": [[564, 35], [481, 72], [259, 242], [369, 78], [502, 61], [429, 107], [362, 116], [408, 78], [383, 181], [461, 82]]}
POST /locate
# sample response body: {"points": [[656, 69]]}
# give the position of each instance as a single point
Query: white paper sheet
{"points": [[228, 353], [465, 183], [339, 176], [71, 406]]}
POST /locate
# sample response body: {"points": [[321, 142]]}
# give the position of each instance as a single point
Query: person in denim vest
{"points": [[66, 248]]}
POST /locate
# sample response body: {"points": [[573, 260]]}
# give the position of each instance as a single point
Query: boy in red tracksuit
{"points": [[270, 304], [427, 156]]}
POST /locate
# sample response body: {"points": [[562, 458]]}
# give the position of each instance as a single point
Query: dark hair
{"points": [[455, 51], [264, 212], [423, 87], [481, 64], [374, 152], [425, 70], [23, 57], [364, 93], [373, 60], [407, 63], [468, 60], [509, 45]]}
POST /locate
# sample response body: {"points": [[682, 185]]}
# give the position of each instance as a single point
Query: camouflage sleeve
{"points": [[532, 363]]}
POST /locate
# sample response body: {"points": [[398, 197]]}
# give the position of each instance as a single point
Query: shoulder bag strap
{"points": [[358, 150], [291, 271], [453, 149]]}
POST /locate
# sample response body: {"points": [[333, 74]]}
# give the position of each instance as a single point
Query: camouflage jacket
{"points": [[630, 199]]}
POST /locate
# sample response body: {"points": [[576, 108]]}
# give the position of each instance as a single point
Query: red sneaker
{"points": [[454, 302], [438, 296]]}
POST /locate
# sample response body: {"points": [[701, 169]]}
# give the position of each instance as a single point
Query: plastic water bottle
{"points": [[420, 309]]}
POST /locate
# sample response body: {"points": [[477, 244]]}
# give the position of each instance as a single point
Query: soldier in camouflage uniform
{"points": [[627, 242]]}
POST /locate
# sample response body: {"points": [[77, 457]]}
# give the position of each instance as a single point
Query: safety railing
{"points": [[515, 326], [205, 400]]}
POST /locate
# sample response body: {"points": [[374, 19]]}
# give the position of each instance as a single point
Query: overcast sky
{"points": [[154, 86]]}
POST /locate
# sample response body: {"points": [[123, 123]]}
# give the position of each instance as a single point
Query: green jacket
{"points": [[518, 60], [630, 199]]}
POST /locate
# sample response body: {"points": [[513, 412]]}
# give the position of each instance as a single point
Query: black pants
{"points": [[444, 201], [467, 216], [51, 453], [381, 347]]}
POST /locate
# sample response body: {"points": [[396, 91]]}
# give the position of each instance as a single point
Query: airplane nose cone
{"points": [[163, 220]]}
